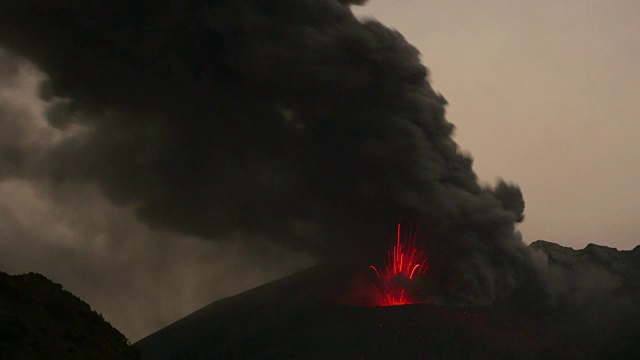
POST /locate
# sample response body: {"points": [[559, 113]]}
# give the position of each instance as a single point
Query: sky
{"points": [[561, 118], [559, 121]]}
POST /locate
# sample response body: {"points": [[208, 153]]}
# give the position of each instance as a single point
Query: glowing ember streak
{"points": [[404, 261]]}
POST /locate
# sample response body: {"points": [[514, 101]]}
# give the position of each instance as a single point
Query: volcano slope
{"points": [[294, 318], [288, 319]]}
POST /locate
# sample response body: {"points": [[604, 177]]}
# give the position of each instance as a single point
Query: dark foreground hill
{"points": [[41, 320], [290, 319]]}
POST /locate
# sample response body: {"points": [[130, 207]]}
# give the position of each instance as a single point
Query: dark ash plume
{"points": [[286, 118], [353, 2]]}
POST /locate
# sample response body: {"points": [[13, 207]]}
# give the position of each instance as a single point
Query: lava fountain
{"points": [[404, 262]]}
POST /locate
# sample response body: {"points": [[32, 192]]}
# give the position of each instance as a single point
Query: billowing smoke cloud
{"points": [[285, 119], [139, 278]]}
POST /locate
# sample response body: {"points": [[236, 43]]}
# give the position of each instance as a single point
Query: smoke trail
{"points": [[289, 119]]}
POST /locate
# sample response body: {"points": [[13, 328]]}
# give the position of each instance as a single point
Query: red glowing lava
{"points": [[404, 262]]}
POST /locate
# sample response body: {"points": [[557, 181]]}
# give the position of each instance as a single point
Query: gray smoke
{"points": [[285, 119], [140, 279]]}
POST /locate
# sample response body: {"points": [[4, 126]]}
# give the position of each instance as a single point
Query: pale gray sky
{"points": [[545, 94]]}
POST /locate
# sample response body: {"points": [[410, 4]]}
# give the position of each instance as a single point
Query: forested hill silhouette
{"points": [[41, 320]]}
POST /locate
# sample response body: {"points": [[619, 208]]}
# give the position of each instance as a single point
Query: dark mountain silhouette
{"points": [[41, 320], [294, 318], [619, 263], [597, 296]]}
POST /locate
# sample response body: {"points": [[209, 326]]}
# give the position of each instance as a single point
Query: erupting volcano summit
{"points": [[405, 261]]}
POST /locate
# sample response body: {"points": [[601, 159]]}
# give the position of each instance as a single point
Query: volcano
{"points": [[297, 122], [295, 318], [288, 319]]}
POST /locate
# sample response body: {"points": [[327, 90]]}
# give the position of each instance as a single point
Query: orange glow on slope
{"points": [[404, 261]]}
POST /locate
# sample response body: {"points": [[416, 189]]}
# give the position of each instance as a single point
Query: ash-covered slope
{"points": [[224, 326], [620, 263], [595, 293], [40, 320]]}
